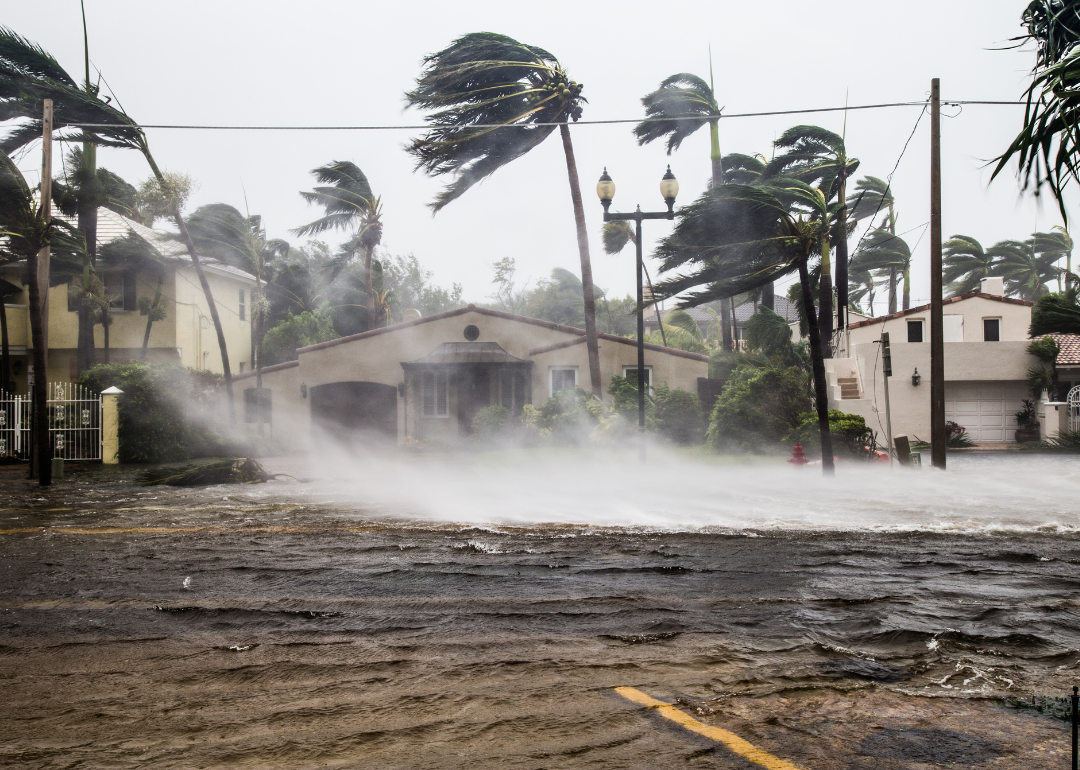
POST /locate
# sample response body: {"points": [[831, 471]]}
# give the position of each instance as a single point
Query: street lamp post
{"points": [[669, 188]]}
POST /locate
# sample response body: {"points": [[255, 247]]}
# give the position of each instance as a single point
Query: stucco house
{"points": [[426, 378], [986, 366], [185, 336]]}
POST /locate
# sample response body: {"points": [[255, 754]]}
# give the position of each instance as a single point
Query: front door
{"points": [[474, 394]]}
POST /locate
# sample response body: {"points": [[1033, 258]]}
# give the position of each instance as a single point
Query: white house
{"points": [[986, 366]]}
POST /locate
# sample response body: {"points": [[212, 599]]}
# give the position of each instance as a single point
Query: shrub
{"points": [[679, 415], [165, 411], [850, 436], [297, 331], [758, 408], [568, 417], [490, 422], [624, 405]]}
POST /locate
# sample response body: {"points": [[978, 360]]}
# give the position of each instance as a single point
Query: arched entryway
{"points": [[352, 410]]}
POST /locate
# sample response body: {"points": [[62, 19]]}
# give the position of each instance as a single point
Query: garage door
{"points": [[985, 409]]}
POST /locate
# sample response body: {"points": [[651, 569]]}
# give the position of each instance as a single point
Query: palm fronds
{"points": [[1056, 313], [680, 106], [482, 80], [617, 234], [743, 169]]}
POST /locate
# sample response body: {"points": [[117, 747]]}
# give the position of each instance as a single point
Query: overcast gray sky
{"points": [[325, 62]]}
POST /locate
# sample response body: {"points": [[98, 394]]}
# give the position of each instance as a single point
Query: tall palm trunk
{"points": [[825, 297], [725, 322], [368, 253], [718, 179], [842, 259], [817, 360], [214, 315], [87, 223], [150, 315], [40, 388], [907, 285], [586, 263], [5, 349], [892, 290]]}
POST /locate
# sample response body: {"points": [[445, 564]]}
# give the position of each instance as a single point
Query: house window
{"points": [[435, 396], [512, 389], [563, 378], [121, 287], [991, 330], [243, 307], [630, 373], [915, 331]]}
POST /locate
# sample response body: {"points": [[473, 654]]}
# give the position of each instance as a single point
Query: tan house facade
{"points": [[425, 379], [185, 336]]}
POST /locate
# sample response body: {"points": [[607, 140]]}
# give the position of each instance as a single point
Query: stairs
{"points": [[849, 387]]}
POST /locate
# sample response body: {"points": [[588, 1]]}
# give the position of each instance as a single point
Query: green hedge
{"points": [[165, 411]]}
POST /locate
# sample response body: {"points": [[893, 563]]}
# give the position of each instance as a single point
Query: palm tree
{"points": [[964, 264], [873, 196], [1047, 148], [350, 205], [482, 80], [736, 238], [817, 156], [1053, 247], [222, 232], [28, 75], [133, 251], [1025, 271], [883, 253]]}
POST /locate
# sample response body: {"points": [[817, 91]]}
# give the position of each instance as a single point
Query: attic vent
{"points": [[472, 333]]}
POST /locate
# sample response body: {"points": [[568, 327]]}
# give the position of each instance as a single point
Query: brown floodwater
{"points": [[341, 621]]}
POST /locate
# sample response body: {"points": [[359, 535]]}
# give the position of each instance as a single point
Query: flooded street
{"points": [[421, 613]]}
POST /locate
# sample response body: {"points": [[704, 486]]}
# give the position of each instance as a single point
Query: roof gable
{"points": [[950, 300]]}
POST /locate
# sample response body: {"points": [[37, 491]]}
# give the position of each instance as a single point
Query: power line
{"points": [[424, 127]]}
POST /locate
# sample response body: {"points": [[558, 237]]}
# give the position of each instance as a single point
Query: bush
{"points": [[624, 407], [759, 407], [568, 417], [165, 411], [490, 422], [850, 436], [297, 331], [680, 415]]}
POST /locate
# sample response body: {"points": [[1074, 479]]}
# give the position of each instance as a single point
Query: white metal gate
{"points": [[1073, 405], [74, 423]]}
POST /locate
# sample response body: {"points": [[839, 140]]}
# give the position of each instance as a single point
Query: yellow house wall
{"points": [[676, 371], [195, 333]]}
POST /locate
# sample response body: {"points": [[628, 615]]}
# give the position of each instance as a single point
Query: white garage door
{"points": [[985, 409]]}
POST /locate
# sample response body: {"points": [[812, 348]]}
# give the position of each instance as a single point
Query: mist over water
{"points": [[678, 492]]}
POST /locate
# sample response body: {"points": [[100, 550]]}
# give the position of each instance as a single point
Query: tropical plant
{"points": [[483, 80], [736, 238], [679, 414], [887, 255], [557, 299], [819, 157], [1053, 247], [768, 332], [965, 263], [1048, 145], [297, 331], [870, 197], [854, 440], [758, 408], [1056, 313], [680, 331], [1026, 271], [133, 252], [348, 204]]}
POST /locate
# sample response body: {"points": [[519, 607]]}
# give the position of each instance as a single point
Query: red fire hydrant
{"points": [[798, 456]]}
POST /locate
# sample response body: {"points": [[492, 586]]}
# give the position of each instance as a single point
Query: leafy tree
{"points": [[819, 157], [349, 204], [482, 80], [297, 331], [409, 285], [759, 407], [679, 414], [854, 439], [616, 316], [508, 297], [557, 299], [735, 238]]}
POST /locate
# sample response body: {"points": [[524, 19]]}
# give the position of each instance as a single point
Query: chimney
{"points": [[994, 286]]}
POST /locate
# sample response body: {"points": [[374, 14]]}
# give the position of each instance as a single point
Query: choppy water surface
{"points": [[441, 605]]}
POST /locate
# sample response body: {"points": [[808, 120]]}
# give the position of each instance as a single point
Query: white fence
{"points": [[74, 423]]}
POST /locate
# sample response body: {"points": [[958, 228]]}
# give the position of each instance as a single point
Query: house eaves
{"points": [[924, 308]]}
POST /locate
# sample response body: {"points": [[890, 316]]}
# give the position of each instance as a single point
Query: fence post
{"points": [[110, 426]]}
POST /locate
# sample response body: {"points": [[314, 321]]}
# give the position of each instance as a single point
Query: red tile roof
{"points": [[1069, 349]]}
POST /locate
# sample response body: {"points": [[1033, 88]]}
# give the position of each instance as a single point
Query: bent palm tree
{"points": [[1025, 271], [885, 254], [1053, 247], [964, 264], [736, 238], [350, 205], [483, 80], [870, 197], [815, 155]]}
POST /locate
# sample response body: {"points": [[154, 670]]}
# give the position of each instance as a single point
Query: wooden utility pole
{"points": [[937, 339], [41, 451]]}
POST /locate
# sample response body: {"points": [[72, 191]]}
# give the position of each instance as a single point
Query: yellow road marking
{"points": [[738, 745]]}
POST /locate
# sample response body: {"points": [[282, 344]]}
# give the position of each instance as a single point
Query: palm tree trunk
{"points": [[768, 296], [825, 298], [842, 261], [150, 316], [892, 290], [725, 323], [907, 286], [40, 387], [87, 223], [5, 349], [586, 263], [817, 360], [214, 316], [371, 322], [715, 156], [734, 324]]}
